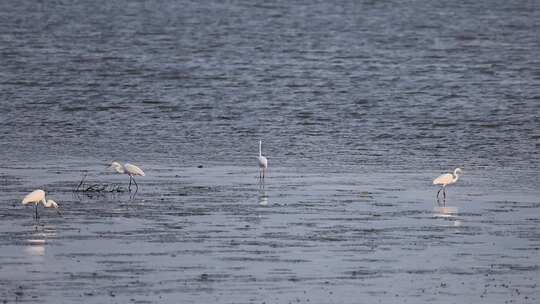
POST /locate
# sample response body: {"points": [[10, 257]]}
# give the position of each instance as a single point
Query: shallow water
{"points": [[359, 106], [214, 234]]}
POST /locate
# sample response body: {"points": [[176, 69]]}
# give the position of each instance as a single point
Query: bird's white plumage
{"points": [[50, 204], [118, 167], [263, 162], [128, 169], [448, 178], [34, 197], [133, 170], [444, 179]]}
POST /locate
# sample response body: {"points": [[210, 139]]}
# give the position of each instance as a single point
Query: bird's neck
{"points": [[456, 177], [120, 168], [44, 201], [260, 150]]}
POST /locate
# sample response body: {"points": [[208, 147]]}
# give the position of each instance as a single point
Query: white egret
{"points": [[445, 180], [128, 169], [36, 197], [263, 162]]}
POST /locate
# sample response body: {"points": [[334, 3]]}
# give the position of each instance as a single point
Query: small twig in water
{"points": [[81, 182]]}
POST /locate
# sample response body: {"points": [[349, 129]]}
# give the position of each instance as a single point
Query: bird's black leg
{"points": [[438, 194], [129, 187], [35, 207], [444, 195], [135, 184]]}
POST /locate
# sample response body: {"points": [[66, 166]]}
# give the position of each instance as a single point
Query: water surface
{"points": [[359, 104]]}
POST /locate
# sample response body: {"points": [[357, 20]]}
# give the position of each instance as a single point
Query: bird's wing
{"points": [[443, 179], [134, 170], [34, 196]]}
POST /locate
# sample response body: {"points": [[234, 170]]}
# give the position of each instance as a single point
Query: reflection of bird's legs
{"points": [[131, 197]]}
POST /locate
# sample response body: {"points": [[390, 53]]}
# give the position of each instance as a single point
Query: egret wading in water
{"points": [[445, 180], [263, 162], [128, 169], [36, 197]]}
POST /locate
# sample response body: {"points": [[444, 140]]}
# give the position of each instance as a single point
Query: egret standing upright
{"points": [[38, 196], [128, 169], [263, 162], [445, 180]]}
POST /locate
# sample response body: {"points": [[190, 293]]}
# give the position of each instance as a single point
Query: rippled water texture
{"points": [[359, 104]]}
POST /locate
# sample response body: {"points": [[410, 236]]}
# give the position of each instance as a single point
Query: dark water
{"points": [[359, 104], [391, 83]]}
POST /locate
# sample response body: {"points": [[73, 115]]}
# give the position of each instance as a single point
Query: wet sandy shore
{"points": [[214, 234]]}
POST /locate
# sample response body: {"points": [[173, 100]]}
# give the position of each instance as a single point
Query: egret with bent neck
{"points": [[128, 169]]}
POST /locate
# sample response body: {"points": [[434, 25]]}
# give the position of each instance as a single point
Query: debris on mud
{"points": [[83, 186]]}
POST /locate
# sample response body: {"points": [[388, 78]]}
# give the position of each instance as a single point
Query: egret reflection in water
{"points": [[263, 198], [445, 211], [35, 248], [449, 213], [35, 245]]}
